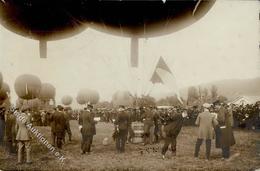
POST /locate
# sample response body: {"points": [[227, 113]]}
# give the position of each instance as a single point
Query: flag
{"points": [[162, 74]]}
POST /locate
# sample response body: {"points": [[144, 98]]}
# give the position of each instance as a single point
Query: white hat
{"points": [[206, 105]]}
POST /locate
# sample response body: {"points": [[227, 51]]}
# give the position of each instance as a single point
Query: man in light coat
{"points": [[23, 136], [206, 122]]}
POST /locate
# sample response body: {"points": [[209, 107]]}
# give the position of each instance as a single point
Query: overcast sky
{"points": [[221, 45]]}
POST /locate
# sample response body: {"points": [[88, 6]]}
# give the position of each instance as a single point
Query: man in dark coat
{"points": [[87, 129], [67, 115], [59, 126], [10, 132], [225, 120], [122, 123], [148, 120], [172, 128]]}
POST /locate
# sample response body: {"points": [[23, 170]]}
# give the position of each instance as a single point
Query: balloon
{"points": [[60, 20], [47, 92], [87, 96], [4, 91], [27, 86], [66, 100], [122, 98]]}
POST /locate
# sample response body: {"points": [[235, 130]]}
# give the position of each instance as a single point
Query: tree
{"points": [[145, 101], [214, 93], [169, 101], [193, 95]]}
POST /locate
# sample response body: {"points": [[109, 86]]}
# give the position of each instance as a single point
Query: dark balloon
{"points": [[87, 96], [47, 92], [66, 100], [27, 86], [48, 19], [122, 98]]}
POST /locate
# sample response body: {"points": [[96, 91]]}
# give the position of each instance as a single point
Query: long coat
{"points": [[86, 120], [174, 125], [23, 134], [59, 124], [206, 122], [227, 138], [122, 121]]}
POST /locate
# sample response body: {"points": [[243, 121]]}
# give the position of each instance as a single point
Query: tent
{"points": [[244, 100]]}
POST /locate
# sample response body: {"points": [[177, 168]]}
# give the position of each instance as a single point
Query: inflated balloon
{"points": [[4, 92], [27, 86], [87, 96], [47, 92], [122, 98], [66, 100], [81, 99], [54, 20]]}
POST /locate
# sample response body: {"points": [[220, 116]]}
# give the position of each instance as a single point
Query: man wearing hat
{"points": [[172, 128], [58, 126], [206, 122], [122, 123], [87, 129], [23, 136]]}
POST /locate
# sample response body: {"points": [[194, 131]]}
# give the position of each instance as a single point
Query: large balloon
{"points": [[4, 91], [66, 100], [87, 96], [122, 98], [47, 92], [51, 20], [27, 86]]}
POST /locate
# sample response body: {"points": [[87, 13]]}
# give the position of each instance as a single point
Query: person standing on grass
{"points": [[59, 124], [23, 136], [148, 120], [122, 124], [172, 128], [206, 122], [86, 122], [67, 118], [10, 131], [225, 120]]}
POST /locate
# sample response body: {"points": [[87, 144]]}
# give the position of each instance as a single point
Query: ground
{"points": [[137, 157]]}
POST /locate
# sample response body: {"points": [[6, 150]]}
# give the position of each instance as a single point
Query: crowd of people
{"points": [[215, 121]]}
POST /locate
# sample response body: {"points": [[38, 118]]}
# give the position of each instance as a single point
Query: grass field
{"points": [[137, 157]]}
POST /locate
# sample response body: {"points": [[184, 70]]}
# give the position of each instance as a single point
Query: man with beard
{"points": [[87, 129], [172, 128]]}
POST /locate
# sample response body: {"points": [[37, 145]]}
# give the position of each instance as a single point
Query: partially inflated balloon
{"points": [[47, 92], [122, 98], [27, 86], [66, 100]]}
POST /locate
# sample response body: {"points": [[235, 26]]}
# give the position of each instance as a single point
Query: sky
{"points": [[221, 45]]}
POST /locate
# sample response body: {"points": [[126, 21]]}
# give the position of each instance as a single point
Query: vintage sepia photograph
{"points": [[130, 85]]}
